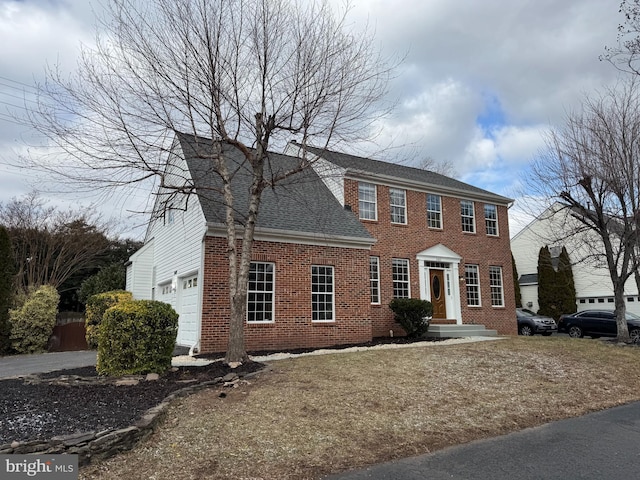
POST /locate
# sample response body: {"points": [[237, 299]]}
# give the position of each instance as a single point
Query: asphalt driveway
{"points": [[12, 366], [602, 445]]}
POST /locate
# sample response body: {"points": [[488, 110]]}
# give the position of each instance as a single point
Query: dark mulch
{"points": [[43, 410]]}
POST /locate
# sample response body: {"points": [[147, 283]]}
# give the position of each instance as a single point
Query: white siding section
{"points": [[590, 274], [140, 273]]}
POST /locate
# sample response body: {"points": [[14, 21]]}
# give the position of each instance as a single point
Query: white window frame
{"points": [[374, 280], [322, 294], [496, 284], [472, 281], [367, 189], [255, 291], [401, 279], [468, 211], [398, 205], [434, 216], [491, 219]]}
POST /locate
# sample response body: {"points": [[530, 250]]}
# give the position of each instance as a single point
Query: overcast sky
{"points": [[481, 81]]}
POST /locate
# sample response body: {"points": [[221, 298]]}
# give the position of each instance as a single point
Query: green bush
{"points": [[412, 314], [109, 278], [137, 337], [33, 320], [7, 273], [96, 306]]}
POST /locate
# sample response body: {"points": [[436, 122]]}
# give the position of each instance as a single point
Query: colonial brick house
{"points": [[333, 245]]}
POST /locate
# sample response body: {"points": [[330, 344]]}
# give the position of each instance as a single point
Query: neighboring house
{"points": [[333, 246], [590, 274]]}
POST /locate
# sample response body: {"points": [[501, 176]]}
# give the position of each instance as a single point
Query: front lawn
{"points": [[315, 415]]}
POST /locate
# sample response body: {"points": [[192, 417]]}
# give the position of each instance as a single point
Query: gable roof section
{"points": [[300, 203], [409, 176]]}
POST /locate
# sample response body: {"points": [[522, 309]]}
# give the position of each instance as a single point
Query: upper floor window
{"points": [[468, 216], [322, 294], [374, 279], [495, 280], [491, 219], [260, 292], [434, 211], [400, 268], [472, 280], [367, 201], [398, 198]]}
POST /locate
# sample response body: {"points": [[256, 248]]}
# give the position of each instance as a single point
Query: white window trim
{"points": [[472, 216], [477, 269], [495, 220], [273, 298], [497, 269], [403, 206], [439, 212], [376, 280], [333, 294], [375, 202], [408, 263]]}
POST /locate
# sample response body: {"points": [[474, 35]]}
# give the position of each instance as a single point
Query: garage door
{"points": [[188, 310]]}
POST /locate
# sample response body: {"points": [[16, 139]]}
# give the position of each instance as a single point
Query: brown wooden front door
{"points": [[436, 282]]}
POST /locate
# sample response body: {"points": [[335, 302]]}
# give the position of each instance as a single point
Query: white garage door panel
{"points": [[188, 311]]}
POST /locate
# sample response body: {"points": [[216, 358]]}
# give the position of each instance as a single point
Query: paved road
{"points": [[602, 445], [14, 365]]}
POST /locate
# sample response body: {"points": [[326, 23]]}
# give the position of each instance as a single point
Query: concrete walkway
{"points": [[15, 365], [602, 445]]}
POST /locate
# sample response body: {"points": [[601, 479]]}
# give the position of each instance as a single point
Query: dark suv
{"points": [[530, 323], [597, 323]]}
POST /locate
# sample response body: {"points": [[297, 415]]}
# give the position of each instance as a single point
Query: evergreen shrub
{"points": [[96, 306], [137, 337], [33, 320], [412, 314]]}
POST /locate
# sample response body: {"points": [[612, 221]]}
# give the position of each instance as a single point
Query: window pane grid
{"points": [[400, 269], [260, 292], [374, 279], [434, 211], [495, 280], [398, 201], [491, 219], [322, 294], [367, 201], [473, 285], [467, 215]]}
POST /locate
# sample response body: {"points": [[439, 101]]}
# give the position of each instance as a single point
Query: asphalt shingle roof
{"points": [[362, 165], [302, 203]]}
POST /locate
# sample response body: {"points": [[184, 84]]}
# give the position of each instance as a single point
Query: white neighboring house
{"points": [[591, 277]]}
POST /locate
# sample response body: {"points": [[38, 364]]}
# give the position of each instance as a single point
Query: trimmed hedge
{"points": [[412, 314], [32, 322], [137, 337], [96, 306]]}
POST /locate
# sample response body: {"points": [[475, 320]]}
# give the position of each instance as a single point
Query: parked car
{"points": [[530, 323], [597, 323]]}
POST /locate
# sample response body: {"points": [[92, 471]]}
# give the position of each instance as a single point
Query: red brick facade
{"points": [[292, 326]]}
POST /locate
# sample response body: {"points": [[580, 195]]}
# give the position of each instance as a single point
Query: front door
{"points": [[436, 282]]}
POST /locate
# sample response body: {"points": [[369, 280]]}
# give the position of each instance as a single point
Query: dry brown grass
{"points": [[311, 416]]}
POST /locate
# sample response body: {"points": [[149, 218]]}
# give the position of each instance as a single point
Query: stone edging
{"points": [[90, 446]]}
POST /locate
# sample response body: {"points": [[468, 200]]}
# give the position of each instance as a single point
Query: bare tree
{"points": [[626, 54], [591, 167], [50, 245], [249, 74], [445, 168]]}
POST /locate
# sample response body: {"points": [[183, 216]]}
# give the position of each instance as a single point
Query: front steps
{"points": [[460, 331]]}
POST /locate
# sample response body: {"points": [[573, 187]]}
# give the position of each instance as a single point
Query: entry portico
{"points": [[439, 282]]}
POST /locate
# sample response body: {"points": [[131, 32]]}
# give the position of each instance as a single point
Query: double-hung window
{"points": [[322, 304], [374, 279], [398, 204], [495, 280], [491, 219], [434, 211], [472, 281], [467, 216], [261, 292], [400, 268], [367, 201]]}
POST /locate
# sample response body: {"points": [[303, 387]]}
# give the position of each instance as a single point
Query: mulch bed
{"points": [[41, 407]]}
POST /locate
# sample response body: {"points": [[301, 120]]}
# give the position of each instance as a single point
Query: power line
{"points": [[17, 82]]}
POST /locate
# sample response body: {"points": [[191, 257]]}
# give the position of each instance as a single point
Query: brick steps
{"points": [[459, 331]]}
